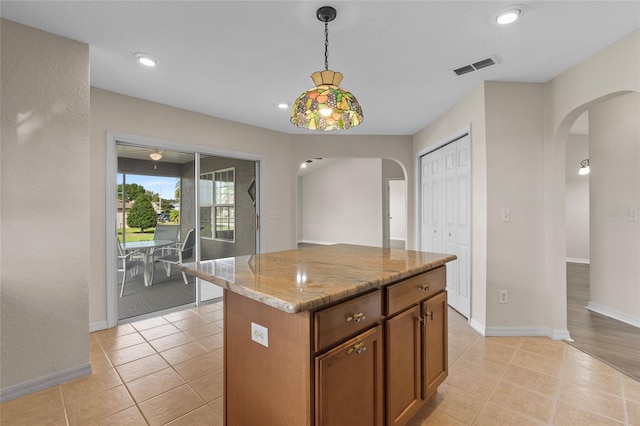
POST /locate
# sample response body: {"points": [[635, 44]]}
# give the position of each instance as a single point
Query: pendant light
{"points": [[326, 106]]}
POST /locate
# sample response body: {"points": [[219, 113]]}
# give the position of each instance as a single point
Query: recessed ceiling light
{"points": [[146, 59], [509, 15], [283, 105]]}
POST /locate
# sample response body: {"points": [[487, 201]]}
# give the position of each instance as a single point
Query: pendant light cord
{"points": [[326, 44]]}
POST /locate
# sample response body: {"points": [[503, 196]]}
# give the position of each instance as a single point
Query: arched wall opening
{"points": [[348, 200], [558, 229]]}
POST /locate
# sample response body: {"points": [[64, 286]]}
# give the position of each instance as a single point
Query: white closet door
{"points": [[450, 210], [446, 215], [431, 167], [463, 226]]}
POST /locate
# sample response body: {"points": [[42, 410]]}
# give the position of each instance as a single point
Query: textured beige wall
{"points": [[44, 221], [397, 148], [614, 152], [610, 72], [343, 203], [515, 167], [577, 198]]}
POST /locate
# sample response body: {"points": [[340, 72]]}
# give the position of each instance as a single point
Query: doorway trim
{"points": [[112, 139]]}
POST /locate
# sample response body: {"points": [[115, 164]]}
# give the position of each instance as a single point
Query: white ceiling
{"points": [[237, 59]]}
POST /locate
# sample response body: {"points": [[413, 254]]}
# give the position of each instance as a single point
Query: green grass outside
{"points": [[134, 234]]}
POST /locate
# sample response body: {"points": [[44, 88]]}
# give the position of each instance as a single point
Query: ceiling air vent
{"points": [[464, 70], [483, 63]]}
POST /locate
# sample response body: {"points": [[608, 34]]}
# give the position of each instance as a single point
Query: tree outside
{"points": [[142, 215], [133, 191]]}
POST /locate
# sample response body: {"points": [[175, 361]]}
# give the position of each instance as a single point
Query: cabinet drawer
{"points": [[346, 319], [412, 290]]}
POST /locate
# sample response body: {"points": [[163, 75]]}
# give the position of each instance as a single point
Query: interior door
{"points": [[431, 202], [450, 216], [446, 215], [463, 227]]}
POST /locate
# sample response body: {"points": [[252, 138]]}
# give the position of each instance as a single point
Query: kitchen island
{"points": [[330, 335]]}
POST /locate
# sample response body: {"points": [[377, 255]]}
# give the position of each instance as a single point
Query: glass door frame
{"points": [[113, 138]]}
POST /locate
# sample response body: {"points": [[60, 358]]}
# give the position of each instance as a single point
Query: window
{"points": [[217, 205]]}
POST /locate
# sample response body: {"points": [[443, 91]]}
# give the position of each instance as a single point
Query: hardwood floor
{"points": [[613, 342]]}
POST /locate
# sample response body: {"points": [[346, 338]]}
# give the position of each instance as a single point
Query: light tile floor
{"points": [[168, 370]]}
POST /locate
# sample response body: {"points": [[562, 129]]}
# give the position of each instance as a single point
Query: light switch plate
{"points": [[260, 334], [506, 215]]}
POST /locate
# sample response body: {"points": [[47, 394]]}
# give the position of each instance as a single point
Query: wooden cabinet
{"points": [[370, 360], [435, 343], [349, 382], [415, 343], [403, 349], [347, 319]]}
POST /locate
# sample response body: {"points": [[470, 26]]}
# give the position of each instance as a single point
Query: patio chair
{"points": [[167, 232], [176, 255], [127, 262]]}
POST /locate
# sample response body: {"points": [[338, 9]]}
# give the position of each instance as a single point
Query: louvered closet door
{"points": [[446, 215]]}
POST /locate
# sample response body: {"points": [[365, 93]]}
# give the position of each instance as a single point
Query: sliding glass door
{"points": [[227, 212], [153, 229]]}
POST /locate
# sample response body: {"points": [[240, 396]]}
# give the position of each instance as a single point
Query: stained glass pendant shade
{"points": [[326, 106]]}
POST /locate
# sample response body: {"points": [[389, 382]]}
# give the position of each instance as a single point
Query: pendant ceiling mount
{"points": [[326, 14], [326, 106]]}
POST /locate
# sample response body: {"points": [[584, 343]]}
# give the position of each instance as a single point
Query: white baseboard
{"points": [[97, 326], [477, 327], [528, 331], [324, 243], [578, 260], [35, 385], [612, 313]]}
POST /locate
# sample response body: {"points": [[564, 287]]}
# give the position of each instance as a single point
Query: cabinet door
{"points": [[403, 366], [349, 382], [435, 346]]}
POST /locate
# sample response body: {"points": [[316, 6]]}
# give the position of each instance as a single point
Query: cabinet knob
{"points": [[424, 287], [356, 317], [358, 348], [429, 315]]}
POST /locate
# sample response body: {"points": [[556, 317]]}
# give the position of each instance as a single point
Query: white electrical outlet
{"points": [[503, 296], [260, 334]]}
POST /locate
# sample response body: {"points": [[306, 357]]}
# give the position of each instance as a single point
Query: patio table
{"points": [[147, 248]]}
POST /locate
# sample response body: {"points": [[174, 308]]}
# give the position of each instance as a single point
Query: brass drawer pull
{"points": [[357, 349], [425, 318], [424, 287], [356, 317]]}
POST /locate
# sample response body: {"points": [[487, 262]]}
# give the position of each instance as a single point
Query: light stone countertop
{"points": [[307, 279]]}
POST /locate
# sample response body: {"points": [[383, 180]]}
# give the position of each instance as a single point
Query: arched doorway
{"points": [[603, 313]]}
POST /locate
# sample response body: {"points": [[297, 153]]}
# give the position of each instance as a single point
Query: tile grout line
{"points": [[501, 376], [125, 383]]}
